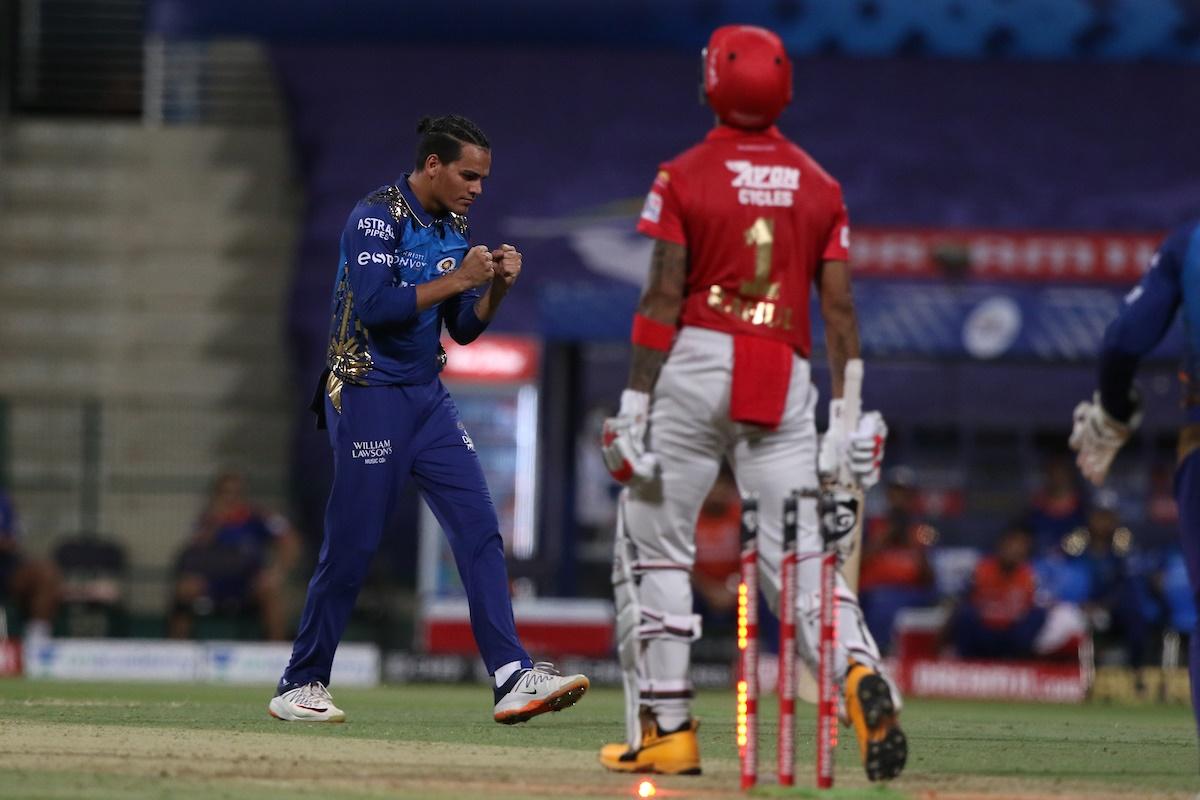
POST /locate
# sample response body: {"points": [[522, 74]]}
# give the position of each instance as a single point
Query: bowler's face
{"points": [[456, 185]]}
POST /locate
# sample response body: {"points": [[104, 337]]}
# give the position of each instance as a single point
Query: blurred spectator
{"points": [[718, 550], [1000, 616], [34, 585], [1122, 605], [1096, 568], [237, 559], [1062, 573], [895, 573], [1057, 508]]}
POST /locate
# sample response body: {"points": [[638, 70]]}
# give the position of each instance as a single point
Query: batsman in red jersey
{"points": [[745, 225]]}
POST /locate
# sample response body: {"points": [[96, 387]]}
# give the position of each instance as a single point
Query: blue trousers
{"points": [[1187, 497], [973, 639], [384, 435]]}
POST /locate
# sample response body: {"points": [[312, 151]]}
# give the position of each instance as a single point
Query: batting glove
{"points": [[857, 460], [623, 440], [1097, 436]]}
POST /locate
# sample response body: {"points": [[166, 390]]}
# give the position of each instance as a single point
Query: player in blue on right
{"points": [[1105, 423]]}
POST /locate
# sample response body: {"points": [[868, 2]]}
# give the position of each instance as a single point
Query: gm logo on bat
{"points": [[839, 513]]}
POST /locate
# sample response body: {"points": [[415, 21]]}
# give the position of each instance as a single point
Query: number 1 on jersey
{"points": [[761, 236]]}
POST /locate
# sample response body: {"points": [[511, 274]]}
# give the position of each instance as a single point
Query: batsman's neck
{"points": [[422, 187]]}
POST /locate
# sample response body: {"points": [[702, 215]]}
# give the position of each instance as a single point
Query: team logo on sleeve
{"points": [[373, 226], [446, 265], [763, 184], [652, 210], [467, 441]]}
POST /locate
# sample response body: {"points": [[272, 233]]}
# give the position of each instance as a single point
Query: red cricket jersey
{"points": [[1002, 598], [757, 215]]}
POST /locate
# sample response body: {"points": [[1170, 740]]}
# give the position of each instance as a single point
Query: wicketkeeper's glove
{"points": [[1097, 436], [623, 440], [861, 457]]}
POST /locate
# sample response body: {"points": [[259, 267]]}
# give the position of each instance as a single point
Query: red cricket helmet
{"points": [[747, 76]]}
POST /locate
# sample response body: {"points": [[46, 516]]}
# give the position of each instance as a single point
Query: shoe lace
{"points": [[542, 671], [315, 692]]}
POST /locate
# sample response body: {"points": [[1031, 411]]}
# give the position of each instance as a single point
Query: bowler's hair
{"points": [[445, 136]]}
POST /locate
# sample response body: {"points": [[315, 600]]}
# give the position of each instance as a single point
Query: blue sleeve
{"points": [[369, 244], [459, 315], [1144, 319]]}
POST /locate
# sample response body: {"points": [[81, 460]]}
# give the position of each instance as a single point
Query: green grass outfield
{"points": [[86, 741]]}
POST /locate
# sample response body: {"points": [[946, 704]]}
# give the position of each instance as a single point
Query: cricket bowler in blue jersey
{"points": [[407, 268], [1102, 425]]}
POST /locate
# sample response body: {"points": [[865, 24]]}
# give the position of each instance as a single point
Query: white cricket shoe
{"points": [[535, 691], [308, 703]]}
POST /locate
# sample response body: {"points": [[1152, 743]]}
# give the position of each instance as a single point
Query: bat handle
{"points": [[851, 406]]}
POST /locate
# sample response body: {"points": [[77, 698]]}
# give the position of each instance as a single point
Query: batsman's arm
{"points": [[661, 302], [1144, 319], [841, 324]]}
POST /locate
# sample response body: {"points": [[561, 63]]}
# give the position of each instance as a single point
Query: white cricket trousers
{"points": [[690, 431]]}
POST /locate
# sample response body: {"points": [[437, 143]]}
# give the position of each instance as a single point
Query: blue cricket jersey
{"points": [[390, 245], [1171, 283]]}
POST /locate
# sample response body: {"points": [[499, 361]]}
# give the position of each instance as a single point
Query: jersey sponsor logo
{"points": [[652, 210], [373, 226], [446, 265], [468, 442], [845, 237], [372, 452], [366, 257], [412, 259], [766, 185]]}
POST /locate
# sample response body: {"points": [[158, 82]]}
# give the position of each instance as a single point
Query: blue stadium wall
{"points": [[1018, 114]]}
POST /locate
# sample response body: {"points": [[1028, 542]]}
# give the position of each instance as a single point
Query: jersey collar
{"points": [[419, 214], [722, 132]]}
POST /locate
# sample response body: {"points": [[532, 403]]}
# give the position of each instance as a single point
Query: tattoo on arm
{"points": [[662, 300], [841, 324]]}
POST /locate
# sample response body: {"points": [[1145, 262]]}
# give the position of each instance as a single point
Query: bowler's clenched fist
{"points": [[478, 267], [507, 262]]}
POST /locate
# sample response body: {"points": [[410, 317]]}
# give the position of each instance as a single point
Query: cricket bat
{"points": [[806, 685]]}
